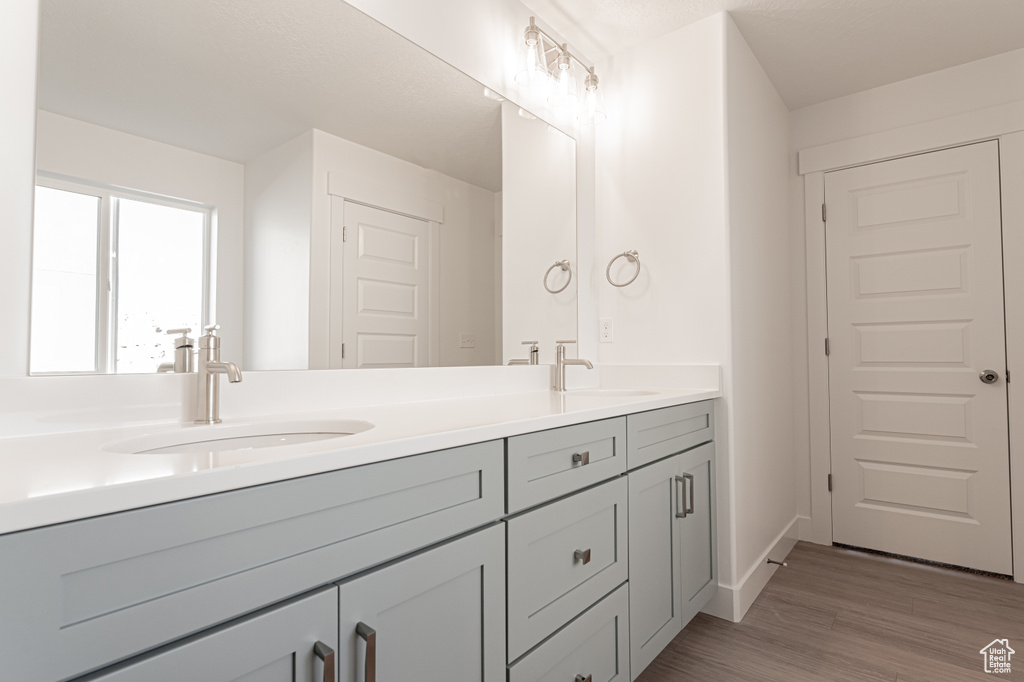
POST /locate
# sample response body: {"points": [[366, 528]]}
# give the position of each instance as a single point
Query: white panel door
{"points": [[385, 289], [920, 454]]}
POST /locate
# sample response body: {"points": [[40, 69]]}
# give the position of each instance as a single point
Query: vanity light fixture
{"points": [[545, 66]]}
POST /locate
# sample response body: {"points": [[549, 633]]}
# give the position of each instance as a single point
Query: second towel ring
{"points": [[633, 257], [564, 265]]}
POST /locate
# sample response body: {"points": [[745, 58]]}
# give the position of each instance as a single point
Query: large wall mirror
{"points": [[328, 192]]}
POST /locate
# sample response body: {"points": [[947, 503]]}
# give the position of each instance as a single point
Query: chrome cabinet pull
{"points": [[680, 485], [582, 555], [581, 458], [689, 508], [588, 678], [325, 654], [369, 635]]}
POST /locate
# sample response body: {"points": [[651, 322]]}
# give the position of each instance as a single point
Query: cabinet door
{"points": [[654, 560], [276, 645], [435, 617], [697, 535]]}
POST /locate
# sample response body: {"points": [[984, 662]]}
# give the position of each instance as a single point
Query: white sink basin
{"points": [[215, 438], [610, 392]]}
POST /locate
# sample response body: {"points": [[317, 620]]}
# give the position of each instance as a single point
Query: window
{"points": [[111, 270]]}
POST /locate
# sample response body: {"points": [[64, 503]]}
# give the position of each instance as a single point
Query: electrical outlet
{"points": [[606, 330], [467, 340]]}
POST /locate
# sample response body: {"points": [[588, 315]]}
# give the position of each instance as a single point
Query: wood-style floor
{"points": [[836, 614]]}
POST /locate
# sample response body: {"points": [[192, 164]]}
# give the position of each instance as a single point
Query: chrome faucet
{"points": [[561, 361], [182, 353], [534, 355], [209, 366]]}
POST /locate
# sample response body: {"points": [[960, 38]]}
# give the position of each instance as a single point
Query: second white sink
{"points": [[222, 438]]}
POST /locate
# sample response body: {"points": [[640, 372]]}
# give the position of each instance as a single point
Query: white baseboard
{"points": [[732, 602]]}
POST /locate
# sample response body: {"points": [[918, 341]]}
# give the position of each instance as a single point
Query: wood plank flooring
{"points": [[836, 614]]}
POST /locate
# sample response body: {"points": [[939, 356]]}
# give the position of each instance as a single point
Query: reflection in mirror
{"points": [[338, 189]]}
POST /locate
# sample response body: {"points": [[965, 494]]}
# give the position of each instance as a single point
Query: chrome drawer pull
{"points": [[325, 654], [582, 555], [581, 458], [588, 678], [680, 484], [370, 636], [689, 507]]}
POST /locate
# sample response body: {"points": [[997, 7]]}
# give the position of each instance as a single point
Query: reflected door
{"points": [[920, 454], [385, 282]]}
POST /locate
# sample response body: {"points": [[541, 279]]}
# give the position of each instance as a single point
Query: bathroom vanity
{"points": [[566, 544]]}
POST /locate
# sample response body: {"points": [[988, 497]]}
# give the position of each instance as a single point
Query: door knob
{"points": [[988, 376]]}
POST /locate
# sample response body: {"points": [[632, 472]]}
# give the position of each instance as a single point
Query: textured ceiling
{"points": [[234, 78], [813, 50]]}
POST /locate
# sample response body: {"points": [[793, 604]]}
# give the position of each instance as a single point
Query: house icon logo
{"points": [[997, 656]]}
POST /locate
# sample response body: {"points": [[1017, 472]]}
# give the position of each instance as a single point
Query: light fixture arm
{"points": [[562, 48]]}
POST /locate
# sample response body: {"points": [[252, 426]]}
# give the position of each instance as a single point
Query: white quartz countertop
{"points": [[62, 477]]}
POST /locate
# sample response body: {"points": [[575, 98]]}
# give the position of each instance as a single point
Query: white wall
{"points": [[278, 211], [967, 92], [19, 28], [90, 152], [692, 173], [761, 419], [466, 243], [539, 228]]}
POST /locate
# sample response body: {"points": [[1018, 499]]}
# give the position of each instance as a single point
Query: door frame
{"points": [[393, 200], [1004, 123]]}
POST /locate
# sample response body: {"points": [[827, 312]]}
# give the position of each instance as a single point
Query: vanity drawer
{"points": [[596, 644], [78, 596], [549, 464], [660, 433], [561, 559]]}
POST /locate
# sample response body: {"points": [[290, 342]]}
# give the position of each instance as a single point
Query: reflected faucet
{"points": [[561, 361], [534, 355], [209, 366], [182, 353]]}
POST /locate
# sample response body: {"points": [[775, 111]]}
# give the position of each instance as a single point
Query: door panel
{"points": [[384, 286], [438, 616], [915, 312]]}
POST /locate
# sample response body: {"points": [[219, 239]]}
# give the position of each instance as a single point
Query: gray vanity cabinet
{"points": [[437, 616], [280, 644], [672, 549]]}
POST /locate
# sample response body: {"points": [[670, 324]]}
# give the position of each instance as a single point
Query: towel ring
{"points": [[633, 257], [564, 265]]}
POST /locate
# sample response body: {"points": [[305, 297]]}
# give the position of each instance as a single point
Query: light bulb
{"points": [[565, 92], [592, 110], [532, 70]]}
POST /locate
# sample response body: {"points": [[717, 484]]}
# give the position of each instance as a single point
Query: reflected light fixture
{"points": [[548, 68]]}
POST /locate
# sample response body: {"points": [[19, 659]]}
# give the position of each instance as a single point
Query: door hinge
{"points": [[344, 233], [342, 351], [828, 349], [1007, 376], [824, 213], [830, 482]]}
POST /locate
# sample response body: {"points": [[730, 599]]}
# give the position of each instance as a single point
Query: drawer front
{"points": [[561, 559], [102, 589], [546, 465], [595, 645], [660, 433]]}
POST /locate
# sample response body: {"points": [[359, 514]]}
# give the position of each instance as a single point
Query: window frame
{"points": [[106, 266]]}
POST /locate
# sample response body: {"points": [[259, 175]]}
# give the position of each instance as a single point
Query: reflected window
{"points": [[111, 271]]}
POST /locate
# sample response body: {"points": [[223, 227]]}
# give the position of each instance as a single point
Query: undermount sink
{"points": [[198, 440], [610, 392]]}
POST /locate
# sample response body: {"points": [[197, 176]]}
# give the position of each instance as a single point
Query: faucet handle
{"points": [[184, 331], [530, 343], [563, 342], [211, 329]]}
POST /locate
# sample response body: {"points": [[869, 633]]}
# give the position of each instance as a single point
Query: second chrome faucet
{"points": [[208, 366], [561, 361]]}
